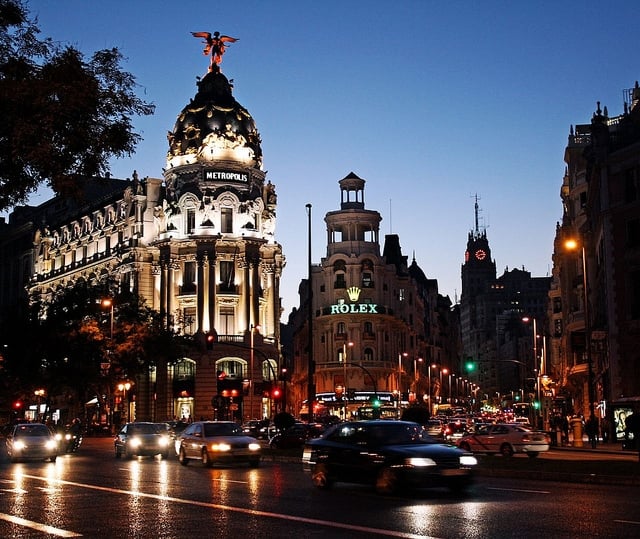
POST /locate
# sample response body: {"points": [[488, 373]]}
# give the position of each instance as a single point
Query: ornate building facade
{"points": [[372, 331], [594, 302], [199, 246]]}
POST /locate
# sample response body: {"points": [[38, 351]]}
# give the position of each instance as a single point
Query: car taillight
{"points": [[525, 438]]}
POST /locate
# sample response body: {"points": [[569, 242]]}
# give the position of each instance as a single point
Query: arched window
{"points": [[340, 269], [270, 370], [367, 273], [185, 370], [341, 329], [368, 354], [233, 367]]}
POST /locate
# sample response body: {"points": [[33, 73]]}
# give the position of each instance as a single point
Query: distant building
{"points": [[496, 323]]}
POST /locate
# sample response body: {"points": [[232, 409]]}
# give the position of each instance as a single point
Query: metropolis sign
{"points": [[220, 175]]}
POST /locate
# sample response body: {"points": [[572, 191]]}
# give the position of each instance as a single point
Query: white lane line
{"points": [[520, 490], [37, 526], [252, 512]]}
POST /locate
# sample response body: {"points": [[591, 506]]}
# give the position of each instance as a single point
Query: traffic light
{"points": [[536, 405], [210, 338], [276, 393], [375, 402], [470, 365]]}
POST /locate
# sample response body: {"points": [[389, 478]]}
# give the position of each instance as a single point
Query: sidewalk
{"points": [[601, 447]]}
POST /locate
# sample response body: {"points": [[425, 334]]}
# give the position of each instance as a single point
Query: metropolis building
{"points": [[199, 246]]}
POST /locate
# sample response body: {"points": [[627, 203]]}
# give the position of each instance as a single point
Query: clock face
{"points": [[480, 254]]}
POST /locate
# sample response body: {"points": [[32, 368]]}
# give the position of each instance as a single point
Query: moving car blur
{"points": [[27, 441], [386, 454], [505, 438], [296, 435], [143, 439], [214, 442]]}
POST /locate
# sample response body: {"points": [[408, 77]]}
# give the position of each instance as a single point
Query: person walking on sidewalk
{"points": [[592, 431]]}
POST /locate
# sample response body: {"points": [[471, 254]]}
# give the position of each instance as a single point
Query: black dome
{"points": [[214, 127]]}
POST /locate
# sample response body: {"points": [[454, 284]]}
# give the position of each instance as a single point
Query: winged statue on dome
{"points": [[214, 46]]}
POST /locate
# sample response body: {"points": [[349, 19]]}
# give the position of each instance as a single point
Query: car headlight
{"points": [[163, 441], [58, 436], [220, 447], [19, 444], [135, 442], [420, 462], [67, 436], [51, 444], [254, 446], [468, 460]]}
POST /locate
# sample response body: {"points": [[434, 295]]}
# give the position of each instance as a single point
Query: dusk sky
{"points": [[430, 102]]}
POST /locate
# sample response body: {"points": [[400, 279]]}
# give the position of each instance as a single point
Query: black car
{"points": [[386, 454], [296, 435]]}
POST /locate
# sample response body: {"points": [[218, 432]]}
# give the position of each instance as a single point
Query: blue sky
{"points": [[430, 102]]}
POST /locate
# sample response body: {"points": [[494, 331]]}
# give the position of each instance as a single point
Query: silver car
{"points": [[143, 439], [214, 442], [31, 441], [507, 439]]}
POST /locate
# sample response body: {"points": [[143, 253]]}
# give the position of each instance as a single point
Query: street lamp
{"points": [[39, 393], [251, 359], [572, 245], [431, 366], [345, 398], [445, 372], [526, 319], [123, 388], [415, 368], [107, 303]]}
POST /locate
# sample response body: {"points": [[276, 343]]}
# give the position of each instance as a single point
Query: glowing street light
{"points": [[123, 388], [572, 245]]}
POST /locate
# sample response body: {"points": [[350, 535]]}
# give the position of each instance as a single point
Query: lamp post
{"points": [[108, 303], [573, 245], [345, 398], [445, 372], [400, 356], [124, 387], [251, 361], [431, 366]]}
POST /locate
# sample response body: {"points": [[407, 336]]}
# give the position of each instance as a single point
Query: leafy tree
{"points": [[63, 116]]}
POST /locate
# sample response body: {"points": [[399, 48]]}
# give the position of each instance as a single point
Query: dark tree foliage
{"points": [[64, 343], [63, 116], [418, 414]]}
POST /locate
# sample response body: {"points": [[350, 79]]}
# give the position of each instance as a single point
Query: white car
{"points": [[217, 442], [506, 439]]}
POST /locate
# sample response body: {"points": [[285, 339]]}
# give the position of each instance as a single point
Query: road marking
{"points": [[252, 512], [628, 522], [37, 526], [521, 490]]}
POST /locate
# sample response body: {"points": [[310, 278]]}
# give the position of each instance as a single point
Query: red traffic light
{"points": [[276, 393], [17, 404]]}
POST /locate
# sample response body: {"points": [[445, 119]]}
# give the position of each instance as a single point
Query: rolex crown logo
{"points": [[353, 293]]}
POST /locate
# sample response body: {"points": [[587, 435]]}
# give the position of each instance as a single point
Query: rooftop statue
{"points": [[214, 45]]}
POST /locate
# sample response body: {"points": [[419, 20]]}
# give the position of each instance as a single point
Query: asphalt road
{"points": [[92, 494]]}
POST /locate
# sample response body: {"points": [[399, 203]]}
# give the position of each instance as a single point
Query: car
{"points": [[454, 429], [387, 454], [143, 439], [507, 439], [296, 435], [435, 428], [31, 441], [215, 442]]}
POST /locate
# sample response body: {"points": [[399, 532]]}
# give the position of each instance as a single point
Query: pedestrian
{"points": [[592, 431], [605, 428], [565, 430]]}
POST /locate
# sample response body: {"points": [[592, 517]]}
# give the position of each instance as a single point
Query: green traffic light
{"points": [[470, 366]]}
